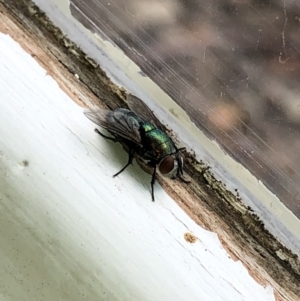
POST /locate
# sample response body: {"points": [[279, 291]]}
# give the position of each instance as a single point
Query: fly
{"points": [[144, 136]]}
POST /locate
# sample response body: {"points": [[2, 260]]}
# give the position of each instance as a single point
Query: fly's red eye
{"points": [[166, 165]]}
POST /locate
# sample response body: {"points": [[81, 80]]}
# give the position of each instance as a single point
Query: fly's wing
{"points": [[141, 110], [117, 122]]}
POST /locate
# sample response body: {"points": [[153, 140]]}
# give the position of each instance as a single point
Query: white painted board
{"points": [[69, 231]]}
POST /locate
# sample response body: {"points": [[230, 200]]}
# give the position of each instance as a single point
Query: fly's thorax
{"points": [[156, 142], [147, 127], [171, 166]]}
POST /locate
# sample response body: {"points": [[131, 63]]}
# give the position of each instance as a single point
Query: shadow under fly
{"points": [[143, 134]]}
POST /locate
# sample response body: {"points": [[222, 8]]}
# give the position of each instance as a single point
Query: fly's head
{"points": [[171, 166]]}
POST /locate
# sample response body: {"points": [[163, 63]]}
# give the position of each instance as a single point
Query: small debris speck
{"points": [[189, 237], [24, 163]]}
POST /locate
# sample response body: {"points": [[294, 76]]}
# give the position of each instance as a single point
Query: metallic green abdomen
{"points": [[157, 143]]}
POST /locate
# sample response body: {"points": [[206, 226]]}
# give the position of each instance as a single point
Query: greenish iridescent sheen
{"points": [[156, 142]]}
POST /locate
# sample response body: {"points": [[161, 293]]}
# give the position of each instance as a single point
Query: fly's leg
{"points": [[131, 152], [152, 182], [107, 137], [184, 180], [130, 157]]}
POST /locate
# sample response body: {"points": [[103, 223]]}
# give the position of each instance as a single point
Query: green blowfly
{"points": [[144, 136]]}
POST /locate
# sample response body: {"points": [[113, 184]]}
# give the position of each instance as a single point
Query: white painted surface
{"points": [[69, 231]]}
